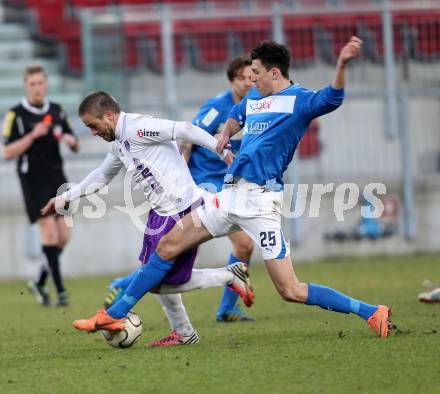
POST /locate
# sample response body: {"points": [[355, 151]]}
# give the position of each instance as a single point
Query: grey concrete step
{"points": [[11, 50], [13, 31], [14, 85], [16, 68]]}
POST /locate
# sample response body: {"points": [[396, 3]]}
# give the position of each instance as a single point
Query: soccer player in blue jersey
{"points": [[274, 115], [208, 170]]}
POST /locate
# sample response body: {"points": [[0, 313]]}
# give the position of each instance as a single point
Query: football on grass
{"points": [[128, 336]]}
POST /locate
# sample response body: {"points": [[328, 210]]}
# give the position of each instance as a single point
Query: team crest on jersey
{"points": [[127, 145]]}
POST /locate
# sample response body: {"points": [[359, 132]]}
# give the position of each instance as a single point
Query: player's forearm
{"points": [[195, 135], [339, 76], [92, 183], [17, 148], [231, 128]]}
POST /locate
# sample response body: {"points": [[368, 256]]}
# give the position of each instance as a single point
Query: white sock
{"points": [[176, 313], [201, 279]]}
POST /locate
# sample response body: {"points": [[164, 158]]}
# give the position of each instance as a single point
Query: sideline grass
{"points": [[291, 348]]}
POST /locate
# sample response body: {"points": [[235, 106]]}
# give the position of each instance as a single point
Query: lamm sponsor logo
{"points": [[254, 127]]}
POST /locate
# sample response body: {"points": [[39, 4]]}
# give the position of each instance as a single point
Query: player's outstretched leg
{"points": [[235, 276], [377, 316], [182, 331], [287, 284], [183, 236], [147, 277]]}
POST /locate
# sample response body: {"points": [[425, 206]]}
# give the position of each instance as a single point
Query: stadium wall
{"points": [[111, 244]]}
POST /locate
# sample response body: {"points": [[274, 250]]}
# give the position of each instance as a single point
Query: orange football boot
{"points": [[380, 321], [101, 321]]}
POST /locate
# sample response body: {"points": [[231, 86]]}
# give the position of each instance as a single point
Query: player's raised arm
{"points": [[331, 97], [350, 50]]}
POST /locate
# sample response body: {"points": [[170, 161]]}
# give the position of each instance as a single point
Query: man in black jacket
{"points": [[32, 132]]}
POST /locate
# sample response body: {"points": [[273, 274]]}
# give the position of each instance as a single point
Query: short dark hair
{"points": [[237, 64], [272, 54], [96, 103], [34, 69]]}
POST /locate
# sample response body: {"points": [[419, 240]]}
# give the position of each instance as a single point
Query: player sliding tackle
{"points": [[275, 115], [145, 147]]}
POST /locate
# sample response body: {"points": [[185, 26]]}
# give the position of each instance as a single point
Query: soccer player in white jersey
{"points": [[275, 115], [146, 147]]}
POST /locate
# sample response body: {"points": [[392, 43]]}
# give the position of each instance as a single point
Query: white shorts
{"points": [[249, 207]]}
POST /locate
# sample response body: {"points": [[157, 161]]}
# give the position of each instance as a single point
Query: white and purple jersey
{"points": [[146, 147]]}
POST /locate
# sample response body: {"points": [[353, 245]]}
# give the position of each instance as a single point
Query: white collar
{"points": [[35, 110], [120, 126]]}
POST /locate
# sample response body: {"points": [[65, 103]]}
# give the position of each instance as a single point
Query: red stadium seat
{"points": [[300, 38], [49, 15], [310, 145], [424, 28]]}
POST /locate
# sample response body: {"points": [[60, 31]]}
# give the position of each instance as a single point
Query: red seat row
{"points": [[209, 44]]}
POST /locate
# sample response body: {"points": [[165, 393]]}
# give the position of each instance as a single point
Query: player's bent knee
{"points": [[50, 239], [166, 249]]}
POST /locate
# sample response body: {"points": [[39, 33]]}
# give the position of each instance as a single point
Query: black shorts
{"points": [[37, 191]]}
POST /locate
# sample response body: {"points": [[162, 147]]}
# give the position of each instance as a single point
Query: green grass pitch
{"points": [[289, 349]]}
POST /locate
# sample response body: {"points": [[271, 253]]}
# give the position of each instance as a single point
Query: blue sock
{"points": [[333, 300], [229, 297], [123, 281], [147, 277]]}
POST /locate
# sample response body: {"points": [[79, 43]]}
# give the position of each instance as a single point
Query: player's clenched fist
{"points": [[350, 50], [222, 142]]}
